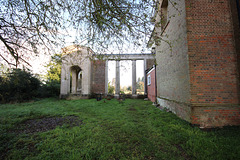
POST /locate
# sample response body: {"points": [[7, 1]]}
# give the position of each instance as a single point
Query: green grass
{"points": [[134, 129]]}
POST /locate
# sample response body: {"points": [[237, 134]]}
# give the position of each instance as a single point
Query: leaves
{"points": [[27, 25]]}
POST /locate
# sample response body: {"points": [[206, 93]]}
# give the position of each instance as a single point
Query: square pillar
{"points": [[74, 81], [117, 84], [133, 77], [145, 76], [106, 77]]}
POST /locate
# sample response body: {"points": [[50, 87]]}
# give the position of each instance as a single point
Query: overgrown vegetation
{"points": [[51, 87], [111, 88], [133, 129], [18, 85]]}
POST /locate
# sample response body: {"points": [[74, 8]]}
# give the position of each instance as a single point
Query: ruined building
{"points": [[85, 74], [197, 55]]}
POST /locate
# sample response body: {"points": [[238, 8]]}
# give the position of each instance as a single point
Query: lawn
{"points": [[107, 129]]}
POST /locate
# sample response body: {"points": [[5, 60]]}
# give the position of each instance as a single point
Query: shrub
{"points": [[50, 89], [110, 88], [18, 86]]}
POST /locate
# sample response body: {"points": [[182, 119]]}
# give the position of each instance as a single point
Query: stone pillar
{"points": [[145, 76], [74, 81], [106, 77], [134, 78], [117, 84], [64, 90]]}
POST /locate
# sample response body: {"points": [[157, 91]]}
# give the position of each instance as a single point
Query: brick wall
{"points": [[198, 62], [236, 27], [212, 56], [173, 89], [98, 77], [212, 63], [216, 116], [151, 89]]}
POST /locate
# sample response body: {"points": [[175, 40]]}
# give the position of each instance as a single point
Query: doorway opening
{"points": [[76, 80]]}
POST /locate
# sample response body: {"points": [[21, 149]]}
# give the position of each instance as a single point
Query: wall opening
{"points": [[111, 77], [126, 77], [79, 82], [140, 77], [74, 72]]}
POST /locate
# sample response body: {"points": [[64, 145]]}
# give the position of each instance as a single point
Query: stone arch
{"points": [[74, 71], [79, 82]]}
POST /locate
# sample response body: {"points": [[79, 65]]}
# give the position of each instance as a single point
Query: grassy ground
{"points": [[134, 129]]}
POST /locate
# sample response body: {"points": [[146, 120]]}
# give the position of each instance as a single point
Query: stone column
{"points": [[145, 76], [106, 77], [64, 90], [133, 77], [117, 84], [74, 81]]}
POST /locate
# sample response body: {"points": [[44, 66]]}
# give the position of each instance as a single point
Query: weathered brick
{"points": [[198, 71], [98, 77]]}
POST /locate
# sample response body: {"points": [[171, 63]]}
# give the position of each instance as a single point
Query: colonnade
{"points": [[134, 76]]}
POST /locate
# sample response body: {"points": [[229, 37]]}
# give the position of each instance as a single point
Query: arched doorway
{"points": [[75, 79], [79, 81]]}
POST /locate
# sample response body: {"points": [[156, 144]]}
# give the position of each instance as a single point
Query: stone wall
{"points": [[150, 63], [173, 89], [76, 58], [98, 77]]}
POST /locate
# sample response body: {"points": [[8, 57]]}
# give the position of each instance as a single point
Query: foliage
{"points": [[111, 88], [29, 26], [126, 90], [54, 68], [51, 88], [134, 129], [140, 84], [18, 85], [129, 88]]}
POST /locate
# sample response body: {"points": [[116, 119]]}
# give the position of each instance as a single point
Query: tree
{"points": [[51, 88], [54, 68], [18, 85], [28, 25], [129, 88], [110, 88]]}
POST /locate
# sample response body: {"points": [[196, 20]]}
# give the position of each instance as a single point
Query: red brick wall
{"points": [[98, 77], [151, 89], [212, 63], [212, 56], [216, 116]]}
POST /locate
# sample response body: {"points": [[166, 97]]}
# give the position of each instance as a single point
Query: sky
{"points": [[42, 60], [39, 62], [125, 71]]}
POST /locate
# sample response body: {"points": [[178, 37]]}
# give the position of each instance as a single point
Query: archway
{"points": [[75, 79], [79, 82]]}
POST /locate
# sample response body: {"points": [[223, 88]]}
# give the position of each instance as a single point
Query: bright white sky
{"points": [[125, 71], [39, 62], [42, 60]]}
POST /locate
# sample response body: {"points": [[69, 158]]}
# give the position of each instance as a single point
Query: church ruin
{"points": [[84, 73]]}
